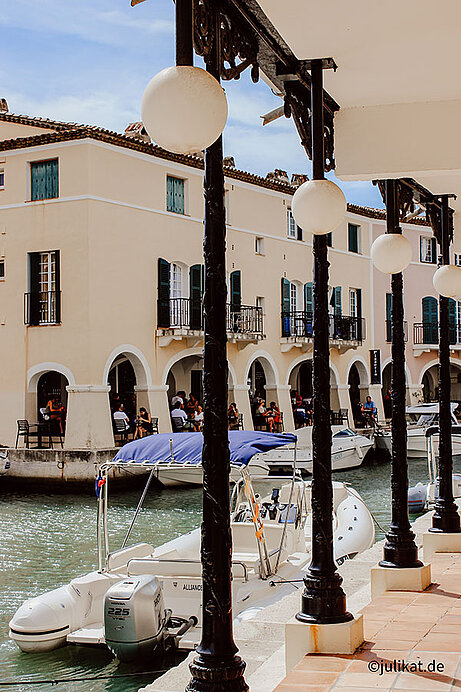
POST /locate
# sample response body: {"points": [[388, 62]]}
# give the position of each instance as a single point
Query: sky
{"points": [[89, 61]]}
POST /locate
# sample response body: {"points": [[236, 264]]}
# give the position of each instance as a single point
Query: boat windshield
{"points": [[422, 420], [347, 432]]}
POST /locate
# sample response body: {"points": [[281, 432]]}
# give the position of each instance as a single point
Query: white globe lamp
{"points": [[319, 206], [447, 281], [391, 253], [184, 109]]}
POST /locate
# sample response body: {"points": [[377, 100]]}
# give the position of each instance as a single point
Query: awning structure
{"points": [[397, 85], [186, 448]]}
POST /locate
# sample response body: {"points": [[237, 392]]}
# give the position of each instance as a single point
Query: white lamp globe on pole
{"points": [[319, 206], [391, 253], [447, 281], [184, 109]]}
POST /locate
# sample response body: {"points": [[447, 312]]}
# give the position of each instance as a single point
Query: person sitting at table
{"points": [[369, 411], [197, 421], [55, 410], [191, 406], [178, 417], [233, 417], [121, 415], [264, 418], [276, 415], [143, 424], [308, 409]]}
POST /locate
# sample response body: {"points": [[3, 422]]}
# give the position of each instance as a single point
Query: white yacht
{"points": [[348, 450], [271, 548], [419, 419]]}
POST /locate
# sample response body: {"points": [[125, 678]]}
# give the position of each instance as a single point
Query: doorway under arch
{"points": [[51, 385], [430, 383], [358, 389]]}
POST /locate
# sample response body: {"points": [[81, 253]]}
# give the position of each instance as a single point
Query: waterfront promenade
{"points": [[404, 626]]}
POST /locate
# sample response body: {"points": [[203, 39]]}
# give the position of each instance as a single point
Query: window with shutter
{"points": [[44, 179], [308, 308], [285, 307], [430, 320], [163, 303], [291, 225], [44, 298], [175, 194], [195, 295], [2, 270], [236, 290], [428, 249], [353, 238]]}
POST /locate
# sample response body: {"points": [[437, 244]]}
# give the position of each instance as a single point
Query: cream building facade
{"points": [[101, 281]]}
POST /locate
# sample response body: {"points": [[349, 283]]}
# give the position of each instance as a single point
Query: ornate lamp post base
{"points": [[209, 675], [400, 550], [323, 600]]}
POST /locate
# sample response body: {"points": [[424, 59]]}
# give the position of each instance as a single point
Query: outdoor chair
{"points": [[279, 427], [121, 430], [177, 424], [24, 430], [344, 415]]}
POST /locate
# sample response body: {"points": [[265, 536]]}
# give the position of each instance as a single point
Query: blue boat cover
{"points": [[187, 447]]}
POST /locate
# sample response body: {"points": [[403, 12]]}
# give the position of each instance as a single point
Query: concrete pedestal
{"points": [[434, 542], [399, 579], [88, 422], [302, 639], [154, 398]]}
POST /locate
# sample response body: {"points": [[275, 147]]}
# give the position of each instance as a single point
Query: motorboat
{"points": [[419, 419], [165, 453], [142, 600], [348, 450], [422, 496]]}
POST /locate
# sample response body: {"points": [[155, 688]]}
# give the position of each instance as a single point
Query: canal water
{"points": [[48, 539]]}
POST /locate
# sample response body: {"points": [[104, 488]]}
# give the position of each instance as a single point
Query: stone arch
{"points": [[138, 361], [34, 373], [429, 380], [268, 364], [358, 380], [128, 374], [45, 381]]}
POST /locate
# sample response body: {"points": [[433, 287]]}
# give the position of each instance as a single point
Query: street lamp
{"points": [[391, 253], [447, 281], [319, 206]]}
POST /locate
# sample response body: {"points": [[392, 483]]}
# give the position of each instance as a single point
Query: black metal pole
{"points": [[184, 36], [400, 549], [216, 668], [445, 518], [323, 600]]}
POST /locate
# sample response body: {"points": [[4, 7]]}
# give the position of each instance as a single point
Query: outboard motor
{"points": [[135, 618], [417, 498]]}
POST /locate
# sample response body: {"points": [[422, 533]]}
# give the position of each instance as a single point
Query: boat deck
{"points": [[421, 630]]}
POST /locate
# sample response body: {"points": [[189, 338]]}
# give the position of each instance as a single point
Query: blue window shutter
{"points": [[44, 179], [174, 194], [169, 193], [430, 320], [353, 238]]}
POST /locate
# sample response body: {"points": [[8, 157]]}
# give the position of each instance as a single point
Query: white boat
{"points": [[419, 419], [348, 450], [141, 599]]}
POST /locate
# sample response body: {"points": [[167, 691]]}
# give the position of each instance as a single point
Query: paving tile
{"points": [[366, 679], [440, 642], [290, 687], [324, 662], [311, 677], [393, 644], [423, 681]]}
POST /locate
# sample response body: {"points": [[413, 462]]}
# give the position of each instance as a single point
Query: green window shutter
{"points": [[337, 301], [163, 304], [44, 180], [195, 295], [308, 299], [430, 320], [174, 194], [285, 291], [389, 317], [353, 238], [236, 289]]}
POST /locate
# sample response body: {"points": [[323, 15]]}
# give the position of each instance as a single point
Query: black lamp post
{"points": [[216, 668], [400, 549], [446, 517], [323, 600]]}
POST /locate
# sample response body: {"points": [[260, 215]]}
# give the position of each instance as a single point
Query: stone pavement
{"points": [[413, 642]]}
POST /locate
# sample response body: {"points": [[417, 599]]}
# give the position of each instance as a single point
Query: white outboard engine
{"points": [[135, 618]]}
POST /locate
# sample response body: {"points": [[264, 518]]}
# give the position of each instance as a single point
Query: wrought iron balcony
{"points": [[427, 333], [299, 324], [187, 314], [42, 307], [389, 331]]}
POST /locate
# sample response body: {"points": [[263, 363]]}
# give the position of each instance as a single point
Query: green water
{"points": [[48, 539]]}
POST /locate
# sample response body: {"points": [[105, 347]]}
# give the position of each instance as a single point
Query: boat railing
{"points": [[182, 561]]}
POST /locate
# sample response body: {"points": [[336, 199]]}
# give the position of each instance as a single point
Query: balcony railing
{"points": [[341, 327], [186, 313], [428, 333], [42, 307], [389, 331]]}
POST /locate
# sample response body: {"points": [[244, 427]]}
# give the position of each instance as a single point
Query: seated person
{"points": [[369, 411], [264, 418], [121, 415], [178, 417], [191, 406], [274, 411], [299, 415], [55, 411], [233, 417], [197, 421], [143, 423]]}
